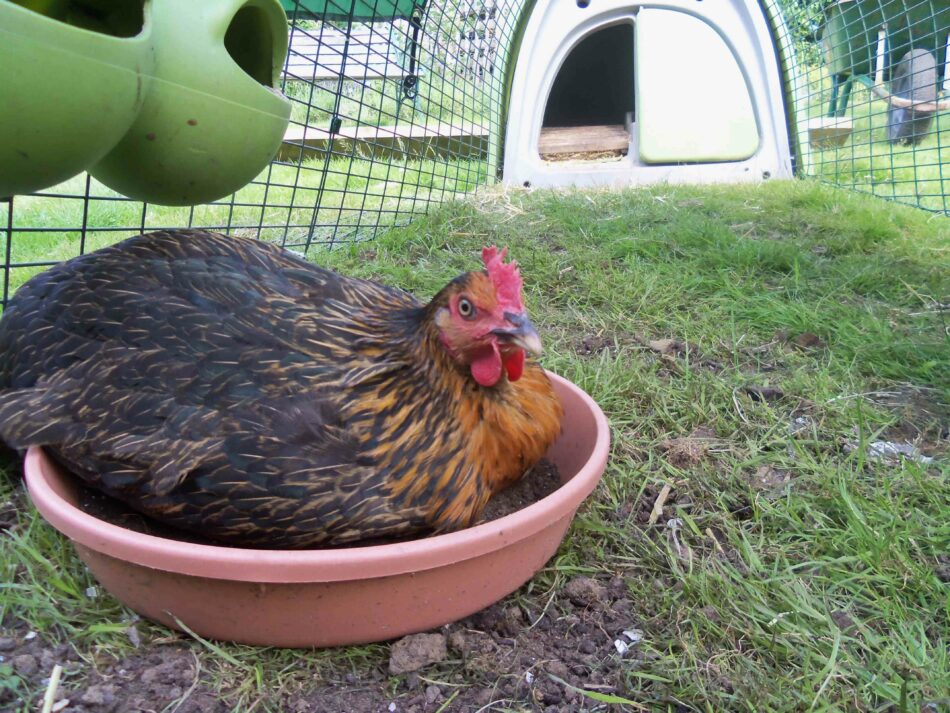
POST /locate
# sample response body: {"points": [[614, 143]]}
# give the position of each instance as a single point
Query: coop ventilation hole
{"points": [[116, 18], [591, 103], [250, 44]]}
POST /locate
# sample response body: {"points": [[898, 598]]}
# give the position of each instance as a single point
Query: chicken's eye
{"points": [[466, 309]]}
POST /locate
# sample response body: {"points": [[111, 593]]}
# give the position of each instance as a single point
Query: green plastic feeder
{"points": [[213, 118], [73, 77]]}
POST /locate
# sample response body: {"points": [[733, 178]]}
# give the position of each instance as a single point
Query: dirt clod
{"points": [[7, 644], [513, 621], [557, 668], [25, 664], [104, 695], [844, 621], [167, 673], [807, 340], [433, 693], [667, 346], [770, 480], [942, 569], [586, 592], [479, 652], [764, 394], [593, 344], [685, 451], [414, 652]]}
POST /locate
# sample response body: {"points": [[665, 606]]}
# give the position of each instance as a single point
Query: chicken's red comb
{"points": [[505, 277]]}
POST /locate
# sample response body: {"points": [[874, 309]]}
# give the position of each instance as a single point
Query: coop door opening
{"points": [[591, 103]]}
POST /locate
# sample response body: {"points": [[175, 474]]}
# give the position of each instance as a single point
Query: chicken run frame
{"points": [[398, 105]]}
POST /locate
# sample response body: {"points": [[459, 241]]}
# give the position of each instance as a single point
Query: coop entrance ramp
{"points": [[583, 142], [420, 141], [363, 52]]}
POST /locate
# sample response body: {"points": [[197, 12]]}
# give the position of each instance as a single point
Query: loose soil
{"points": [[538, 483], [530, 655]]}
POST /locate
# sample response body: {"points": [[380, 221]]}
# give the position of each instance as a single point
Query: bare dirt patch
{"points": [[770, 481], [672, 351], [687, 451], [593, 344], [144, 681], [529, 655], [656, 505]]}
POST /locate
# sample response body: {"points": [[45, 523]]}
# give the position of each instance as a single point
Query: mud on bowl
{"points": [[306, 598]]}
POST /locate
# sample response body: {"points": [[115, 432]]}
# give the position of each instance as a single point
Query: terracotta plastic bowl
{"points": [[330, 597]]}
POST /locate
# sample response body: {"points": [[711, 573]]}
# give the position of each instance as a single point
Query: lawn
{"points": [[356, 198], [748, 345]]}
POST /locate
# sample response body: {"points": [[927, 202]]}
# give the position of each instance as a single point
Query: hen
{"points": [[226, 387]]}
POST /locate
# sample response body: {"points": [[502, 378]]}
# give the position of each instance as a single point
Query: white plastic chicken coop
{"points": [[613, 92]]}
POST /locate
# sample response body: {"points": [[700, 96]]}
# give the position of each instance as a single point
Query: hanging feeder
{"points": [[73, 77], [213, 118]]}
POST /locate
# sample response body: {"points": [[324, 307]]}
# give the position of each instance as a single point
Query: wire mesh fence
{"points": [[395, 108], [399, 105], [868, 94]]}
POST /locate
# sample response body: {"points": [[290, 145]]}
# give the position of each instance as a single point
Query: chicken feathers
{"points": [[226, 387]]}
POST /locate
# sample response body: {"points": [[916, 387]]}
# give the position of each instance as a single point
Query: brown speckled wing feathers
{"points": [[197, 362]]}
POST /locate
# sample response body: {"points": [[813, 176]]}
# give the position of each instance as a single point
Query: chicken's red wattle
{"points": [[514, 364], [486, 366]]}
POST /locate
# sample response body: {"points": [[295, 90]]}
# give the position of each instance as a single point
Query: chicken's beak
{"points": [[522, 333]]}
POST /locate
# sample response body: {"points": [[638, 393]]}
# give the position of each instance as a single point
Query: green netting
{"points": [[356, 9], [396, 108], [868, 94], [849, 37]]}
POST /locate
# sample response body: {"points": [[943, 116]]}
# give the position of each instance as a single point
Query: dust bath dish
{"points": [[327, 597], [538, 483]]}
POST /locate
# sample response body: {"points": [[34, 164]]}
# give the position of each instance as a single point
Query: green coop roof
{"points": [[357, 9]]}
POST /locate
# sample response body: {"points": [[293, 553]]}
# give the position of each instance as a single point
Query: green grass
{"points": [[443, 96], [820, 594]]}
